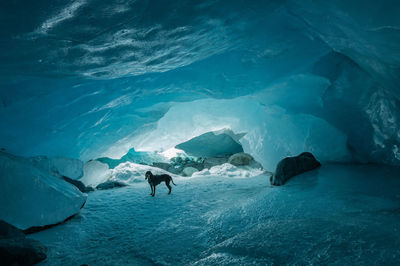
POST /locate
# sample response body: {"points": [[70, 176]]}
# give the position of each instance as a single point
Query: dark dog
{"points": [[154, 180]]}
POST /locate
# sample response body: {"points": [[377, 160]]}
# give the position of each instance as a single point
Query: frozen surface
{"points": [[31, 196], [339, 214]]}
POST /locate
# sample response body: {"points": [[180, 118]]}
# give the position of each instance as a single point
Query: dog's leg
{"points": [[154, 193], [151, 187], [168, 186]]}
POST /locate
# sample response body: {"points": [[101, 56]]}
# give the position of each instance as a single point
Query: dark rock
{"points": [[89, 189], [292, 166], [9, 231], [240, 159], [213, 161], [111, 184], [161, 165], [175, 170], [15, 249], [76, 183], [198, 166]]}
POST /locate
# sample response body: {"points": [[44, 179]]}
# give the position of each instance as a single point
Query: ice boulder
{"points": [[62, 166], [189, 171], [292, 166], [32, 198], [211, 144], [94, 173]]}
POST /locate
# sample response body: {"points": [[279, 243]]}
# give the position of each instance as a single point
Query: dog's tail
{"points": [[173, 182]]}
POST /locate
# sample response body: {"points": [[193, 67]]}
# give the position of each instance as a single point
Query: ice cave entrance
{"points": [[215, 152]]}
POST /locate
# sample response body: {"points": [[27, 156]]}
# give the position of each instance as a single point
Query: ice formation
{"points": [[210, 144], [94, 173], [289, 72], [88, 89], [33, 197]]}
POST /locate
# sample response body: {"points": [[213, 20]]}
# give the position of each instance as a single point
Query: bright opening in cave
{"points": [[278, 121]]}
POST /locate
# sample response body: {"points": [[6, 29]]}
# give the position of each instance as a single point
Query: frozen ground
{"points": [[336, 215]]}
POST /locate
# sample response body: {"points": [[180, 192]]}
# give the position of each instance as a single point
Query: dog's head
{"points": [[148, 175]]}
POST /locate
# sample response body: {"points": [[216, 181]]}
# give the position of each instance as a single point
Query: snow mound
{"points": [[132, 172], [33, 197], [229, 170]]}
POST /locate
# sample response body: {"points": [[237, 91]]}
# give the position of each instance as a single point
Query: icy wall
{"points": [[91, 78]]}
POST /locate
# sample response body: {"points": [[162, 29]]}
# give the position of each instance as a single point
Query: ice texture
{"points": [[272, 132], [210, 144], [338, 214], [87, 87], [59, 166], [33, 197], [229, 170], [134, 157], [94, 173]]}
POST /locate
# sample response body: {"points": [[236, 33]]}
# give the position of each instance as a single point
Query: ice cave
{"points": [[213, 132]]}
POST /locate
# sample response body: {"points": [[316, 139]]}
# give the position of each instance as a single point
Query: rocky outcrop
{"points": [[188, 171], [161, 165], [240, 159], [214, 161], [292, 166], [178, 164], [110, 184], [16, 249]]}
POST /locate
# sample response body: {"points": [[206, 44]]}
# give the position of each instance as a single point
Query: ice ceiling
{"points": [[92, 78]]}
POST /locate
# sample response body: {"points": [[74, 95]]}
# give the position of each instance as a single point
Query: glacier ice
{"points": [[211, 144], [272, 133], [84, 92], [69, 167], [94, 173], [33, 197], [115, 83], [135, 157]]}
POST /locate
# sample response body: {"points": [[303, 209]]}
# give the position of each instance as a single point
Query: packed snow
{"points": [[220, 220]]}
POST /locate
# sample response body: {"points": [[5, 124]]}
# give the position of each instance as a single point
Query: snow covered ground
{"points": [[339, 214]]}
